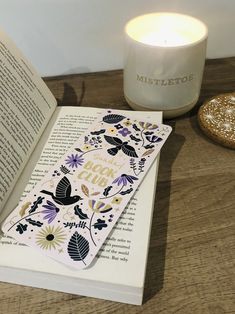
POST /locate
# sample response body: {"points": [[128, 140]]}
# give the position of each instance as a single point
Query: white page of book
{"points": [[26, 105], [122, 259]]}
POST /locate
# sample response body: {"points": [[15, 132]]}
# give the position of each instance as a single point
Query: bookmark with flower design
{"points": [[70, 213]]}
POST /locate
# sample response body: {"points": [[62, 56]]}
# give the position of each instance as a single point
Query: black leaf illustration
{"points": [[21, 228], [106, 210], [98, 132], [148, 146], [82, 224], [78, 150], [78, 247], [79, 213], [136, 139], [34, 222], [148, 133], [113, 118], [100, 224], [135, 127], [107, 190], [35, 204], [126, 192]]}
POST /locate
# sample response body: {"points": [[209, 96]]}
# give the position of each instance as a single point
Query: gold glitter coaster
{"points": [[217, 119]]}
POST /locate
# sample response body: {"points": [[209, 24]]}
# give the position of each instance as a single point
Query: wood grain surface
{"points": [[191, 264]]}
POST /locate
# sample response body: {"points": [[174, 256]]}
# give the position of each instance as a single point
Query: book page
{"points": [[127, 243], [26, 105]]}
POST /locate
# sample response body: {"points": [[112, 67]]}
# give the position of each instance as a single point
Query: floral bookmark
{"points": [[69, 214]]}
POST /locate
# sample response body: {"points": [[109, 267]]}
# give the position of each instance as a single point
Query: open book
{"points": [[34, 134]]}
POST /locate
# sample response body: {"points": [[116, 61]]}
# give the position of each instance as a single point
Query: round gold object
{"points": [[217, 119]]}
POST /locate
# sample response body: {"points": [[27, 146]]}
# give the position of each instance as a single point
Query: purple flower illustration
{"points": [[51, 211], [74, 161], [124, 132], [124, 179]]}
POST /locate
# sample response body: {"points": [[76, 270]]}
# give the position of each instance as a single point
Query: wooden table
{"points": [[191, 265]]}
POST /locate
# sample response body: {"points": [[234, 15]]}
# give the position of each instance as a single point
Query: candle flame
{"points": [[166, 29]]}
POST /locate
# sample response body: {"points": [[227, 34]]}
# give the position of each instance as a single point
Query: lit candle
{"points": [[164, 62]]}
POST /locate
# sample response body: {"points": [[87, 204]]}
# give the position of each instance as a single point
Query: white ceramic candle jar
{"points": [[164, 62]]}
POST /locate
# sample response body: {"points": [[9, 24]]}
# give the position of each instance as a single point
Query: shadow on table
{"points": [[70, 97], [158, 241]]}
